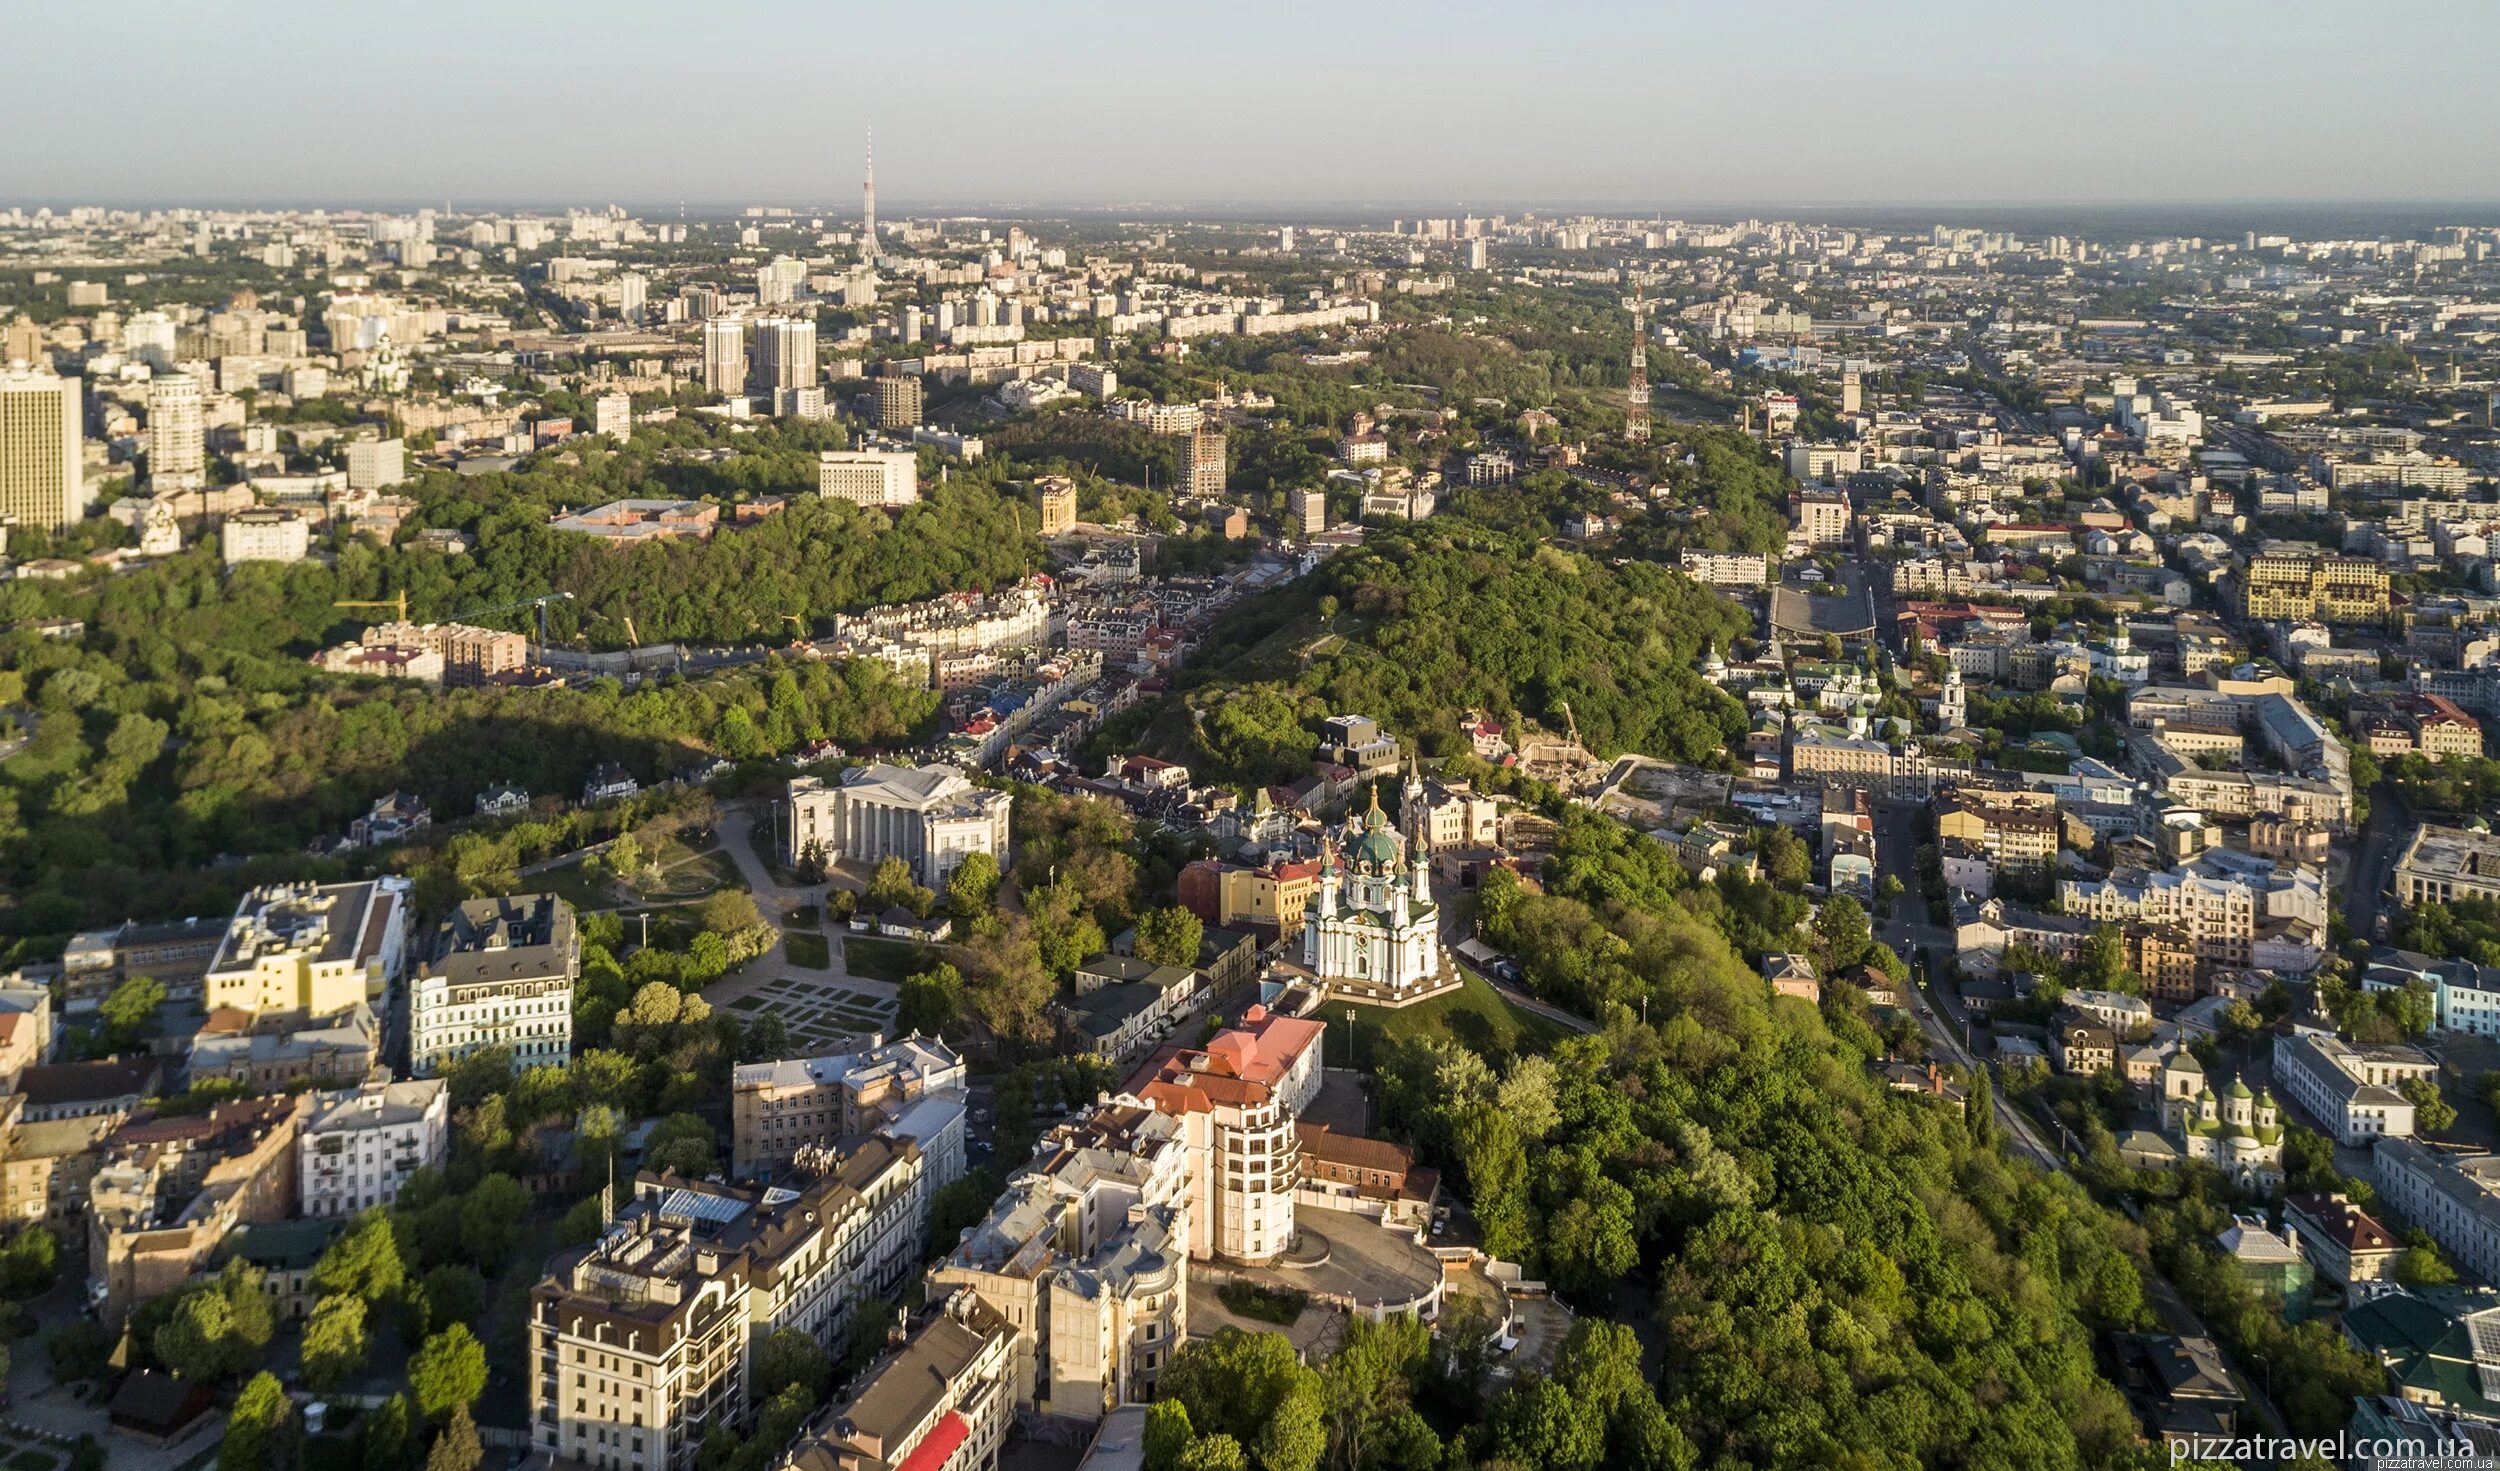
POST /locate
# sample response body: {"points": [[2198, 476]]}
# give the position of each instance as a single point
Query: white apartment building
{"points": [[2219, 915], [1309, 511], [785, 354], [177, 431], [264, 534], [2456, 1198], [42, 462], [2468, 997], [930, 817], [1822, 520], [725, 355], [642, 1342], [612, 414], [839, 1227], [376, 464], [1086, 1257], [1727, 569], [501, 974], [913, 1088], [1812, 462], [871, 477], [1237, 1099], [2351, 1090], [638, 1346], [359, 1145], [310, 950]]}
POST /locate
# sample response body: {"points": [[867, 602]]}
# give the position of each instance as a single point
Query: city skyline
{"points": [[1596, 106]]}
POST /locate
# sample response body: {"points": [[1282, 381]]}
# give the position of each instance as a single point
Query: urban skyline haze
{"points": [[1127, 105]]}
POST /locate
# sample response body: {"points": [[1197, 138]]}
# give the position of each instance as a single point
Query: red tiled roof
{"points": [[943, 1438]]}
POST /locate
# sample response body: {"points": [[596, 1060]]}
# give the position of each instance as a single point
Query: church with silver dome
{"points": [[1372, 932]]}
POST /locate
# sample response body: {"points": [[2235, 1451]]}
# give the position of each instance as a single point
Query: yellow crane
{"points": [[398, 604]]}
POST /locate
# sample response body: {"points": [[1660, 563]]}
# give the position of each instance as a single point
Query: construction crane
{"points": [[539, 603], [398, 604]]}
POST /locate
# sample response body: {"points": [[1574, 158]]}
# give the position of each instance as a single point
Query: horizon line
{"points": [[732, 206]]}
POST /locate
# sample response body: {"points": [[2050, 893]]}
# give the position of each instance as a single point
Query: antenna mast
{"points": [[1636, 392], [868, 198]]}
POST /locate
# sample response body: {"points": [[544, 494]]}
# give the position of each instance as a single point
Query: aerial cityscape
{"points": [[1153, 821]]}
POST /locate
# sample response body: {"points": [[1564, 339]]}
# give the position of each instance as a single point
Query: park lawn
{"points": [[673, 926], [886, 960], [808, 950], [575, 884], [705, 874], [804, 917], [1474, 1016]]}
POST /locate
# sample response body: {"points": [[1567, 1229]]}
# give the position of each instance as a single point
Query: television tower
{"points": [[1636, 392], [868, 199]]}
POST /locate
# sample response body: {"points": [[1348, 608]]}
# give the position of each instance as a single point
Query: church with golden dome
{"points": [[1372, 932]]}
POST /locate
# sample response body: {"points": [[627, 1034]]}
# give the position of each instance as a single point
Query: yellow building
{"points": [[45, 1169], [1224, 894], [1057, 494], [310, 950], [2013, 836], [2328, 589]]}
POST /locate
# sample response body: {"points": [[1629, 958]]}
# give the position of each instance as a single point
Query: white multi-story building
{"points": [[725, 355], [930, 817], [359, 1145], [2456, 1198], [501, 975], [1086, 1254], [1237, 1099], [785, 354], [1822, 520], [1309, 510], [638, 1347], [177, 432], [376, 464], [643, 1341], [1727, 569], [869, 477], [2221, 906], [2351, 1090], [2468, 997], [265, 534], [612, 414]]}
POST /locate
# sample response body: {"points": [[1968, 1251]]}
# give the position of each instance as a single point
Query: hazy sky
{"points": [[1261, 102]]}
